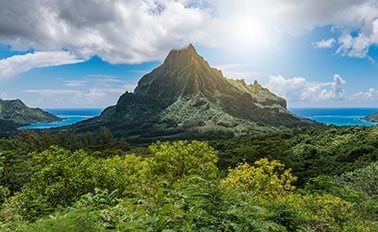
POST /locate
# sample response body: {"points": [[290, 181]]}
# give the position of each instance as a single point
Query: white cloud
{"points": [[109, 84], [17, 64], [370, 94], [130, 86], [4, 96], [241, 71], [298, 90], [338, 87], [329, 43], [102, 92], [92, 91], [75, 83], [261, 22], [118, 31], [95, 93], [359, 45], [365, 98], [288, 87], [129, 31], [55, 98], [53, 92]]}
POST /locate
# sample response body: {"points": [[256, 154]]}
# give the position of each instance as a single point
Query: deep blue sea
{"points": [[70, 116], [335, 116]]}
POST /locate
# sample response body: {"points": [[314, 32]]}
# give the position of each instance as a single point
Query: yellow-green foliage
{"points": [[172, 161], [266, 180], [331, 213], [130, 174]]}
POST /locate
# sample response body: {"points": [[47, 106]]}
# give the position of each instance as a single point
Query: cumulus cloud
{"points": [[298, 90], [358, 46], [301, 92], [129, 31], [329, 43], [338, 87], [118, 31], [371, 93], [14, 65], [367, 98]]}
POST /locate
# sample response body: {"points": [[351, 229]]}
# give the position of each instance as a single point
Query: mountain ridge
{"points": [[14, 114], [187, 98]]}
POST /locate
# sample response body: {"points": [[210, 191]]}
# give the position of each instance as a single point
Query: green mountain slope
{"points": [[186, 98], [14, 113]]}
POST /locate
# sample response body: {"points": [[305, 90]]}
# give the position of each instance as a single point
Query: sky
{"points": [[85, 54]]}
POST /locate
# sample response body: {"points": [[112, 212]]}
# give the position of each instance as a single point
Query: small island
{"points": [[372, 117]]}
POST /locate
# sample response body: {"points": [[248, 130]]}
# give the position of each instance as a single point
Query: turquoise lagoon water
{"points": [[70, 116], [335, 116]]}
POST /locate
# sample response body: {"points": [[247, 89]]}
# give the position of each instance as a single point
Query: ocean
{"points": [[335, 116], [70, 116]]}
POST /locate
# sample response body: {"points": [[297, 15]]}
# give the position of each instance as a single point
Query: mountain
{"points": [[14, 113], [186, 98], [372, 118]]}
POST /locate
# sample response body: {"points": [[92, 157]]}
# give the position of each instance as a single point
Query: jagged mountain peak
{"points": [[186, 98], [184, 57], [183, 73], [186, 74], [188, 50]]}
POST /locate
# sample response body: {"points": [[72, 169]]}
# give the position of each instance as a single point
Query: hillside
{"points": [[186, 98], [14, 113], [372, 118]]}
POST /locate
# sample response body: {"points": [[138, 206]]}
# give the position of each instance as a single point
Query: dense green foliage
{"points": [[308, 152], [16, 151], [94, 182]]}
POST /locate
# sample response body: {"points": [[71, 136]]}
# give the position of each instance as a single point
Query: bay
{"points": [[337, 116], [69, 116]]}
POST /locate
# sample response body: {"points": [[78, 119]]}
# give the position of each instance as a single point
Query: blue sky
{"points": [[85, 54]]}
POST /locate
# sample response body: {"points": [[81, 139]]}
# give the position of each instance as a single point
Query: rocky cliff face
{"points": [[14, 113], [186, 98]]}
